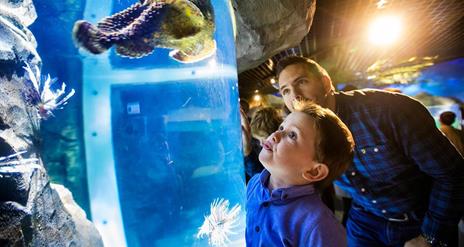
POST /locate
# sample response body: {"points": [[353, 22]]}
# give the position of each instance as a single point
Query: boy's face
{"points": [[290, 151]]}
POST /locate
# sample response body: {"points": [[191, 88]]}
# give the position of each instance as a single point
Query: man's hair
{"points": [[265, 121], [334, 143], [314, 68], [447, 117]]}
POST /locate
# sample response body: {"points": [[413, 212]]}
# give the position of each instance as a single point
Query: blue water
{"points": [[175, 152], [162, 138]]}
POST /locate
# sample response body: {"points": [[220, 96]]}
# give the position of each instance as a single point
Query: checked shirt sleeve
{"points": [[424, 144]]}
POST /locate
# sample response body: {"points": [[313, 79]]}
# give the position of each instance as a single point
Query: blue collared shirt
{"points": [[294, 216], [402, 162]]}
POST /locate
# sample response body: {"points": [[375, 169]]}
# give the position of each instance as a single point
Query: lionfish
{"points": [[185, 26], [42, 96], [218, 225]]}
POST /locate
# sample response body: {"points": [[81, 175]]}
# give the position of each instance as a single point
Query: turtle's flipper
{"points": [[91, 38], [136, 23], [122, 19], [138, 34], [148, 22], [195, 54], [134, 48]]}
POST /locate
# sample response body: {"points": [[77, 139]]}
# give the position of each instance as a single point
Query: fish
{"points": [[42, 96], [221, 222]]}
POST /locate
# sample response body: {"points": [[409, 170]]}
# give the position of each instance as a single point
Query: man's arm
{"points": [[423, 143]]}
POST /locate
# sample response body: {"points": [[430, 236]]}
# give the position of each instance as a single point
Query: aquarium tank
{"points": [[155, 157]]}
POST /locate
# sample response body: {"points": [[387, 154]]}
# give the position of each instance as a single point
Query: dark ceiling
{"points": [[337, 39]]}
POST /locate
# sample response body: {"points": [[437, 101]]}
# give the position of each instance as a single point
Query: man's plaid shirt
{"points": [[402, 162]]}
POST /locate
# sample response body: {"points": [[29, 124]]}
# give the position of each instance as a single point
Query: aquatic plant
{"points": [[219, 224], [42, 96]]}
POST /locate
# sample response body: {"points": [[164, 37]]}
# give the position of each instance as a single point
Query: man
{"points": [[406, 179]]}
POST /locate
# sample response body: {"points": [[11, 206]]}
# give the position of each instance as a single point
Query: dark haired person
{"points": [[455, 136], [406, 179]]}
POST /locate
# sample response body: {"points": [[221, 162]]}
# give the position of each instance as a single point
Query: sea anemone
{"points": [[219, 224]]}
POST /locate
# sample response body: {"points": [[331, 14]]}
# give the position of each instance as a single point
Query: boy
{"points": [[311, 148]]}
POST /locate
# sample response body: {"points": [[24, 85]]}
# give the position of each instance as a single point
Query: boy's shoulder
{"points": [[319, 227], [314, 207]]}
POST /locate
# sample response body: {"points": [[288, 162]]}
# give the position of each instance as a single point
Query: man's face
{"points": [[296, 83]]}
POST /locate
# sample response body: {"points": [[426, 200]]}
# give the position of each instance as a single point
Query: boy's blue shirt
{"points": [[294, 216]]}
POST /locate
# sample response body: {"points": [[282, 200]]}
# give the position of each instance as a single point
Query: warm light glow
{"points": [[256, 91], [381, 4], [385, 30], [273, 81], [257, 97]]}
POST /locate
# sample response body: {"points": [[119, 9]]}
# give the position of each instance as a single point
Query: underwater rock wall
{"points": [[266, 27], [63, 145], [33, 212]]}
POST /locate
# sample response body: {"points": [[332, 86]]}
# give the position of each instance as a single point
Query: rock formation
{"points": [[33, 212], [266, 27]]}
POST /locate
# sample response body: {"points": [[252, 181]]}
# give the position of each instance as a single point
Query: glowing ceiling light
{"points": [[257, 97], [381, 4], [385, 30]]}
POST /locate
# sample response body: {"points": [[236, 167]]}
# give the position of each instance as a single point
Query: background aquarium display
{"points": [[160, 146], [439, 87]]}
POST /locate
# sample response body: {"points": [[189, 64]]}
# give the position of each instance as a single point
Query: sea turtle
{"points": [[186, 26]]}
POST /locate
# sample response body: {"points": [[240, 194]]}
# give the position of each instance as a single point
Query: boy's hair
{"points": [[334, 143], [447, 117], [265, 121]]}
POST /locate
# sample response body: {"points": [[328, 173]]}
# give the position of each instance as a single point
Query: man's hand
{"points": [[246, 133], [418, 241]]}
